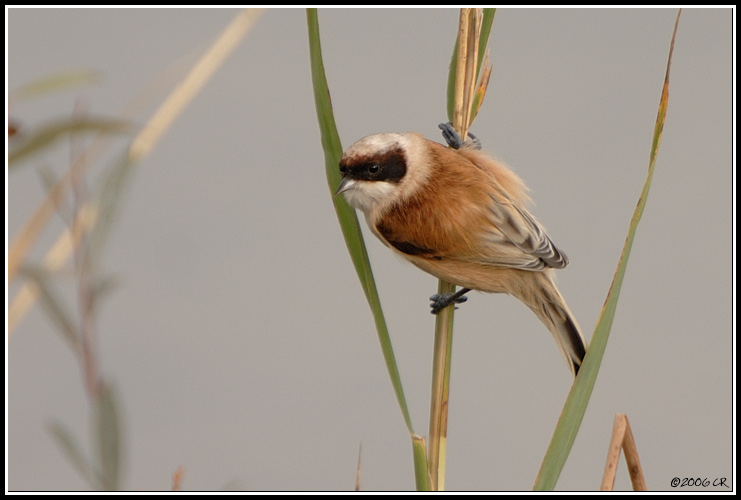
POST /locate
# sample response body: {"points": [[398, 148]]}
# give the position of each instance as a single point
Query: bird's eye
{"points": [[373, 168], [343, 169]]}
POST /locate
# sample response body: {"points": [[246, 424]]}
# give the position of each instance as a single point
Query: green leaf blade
{"points": [[345, 214], [108, 437], [50, 133], [578, 399], [69, 447]]}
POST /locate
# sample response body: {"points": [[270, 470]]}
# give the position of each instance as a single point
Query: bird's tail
{"points": [[547, 303]]}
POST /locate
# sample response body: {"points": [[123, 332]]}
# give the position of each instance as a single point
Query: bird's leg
{"points": [[442, 300], [454, 140]]}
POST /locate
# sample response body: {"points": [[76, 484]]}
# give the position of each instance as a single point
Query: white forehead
{"points": [[378, 143]]}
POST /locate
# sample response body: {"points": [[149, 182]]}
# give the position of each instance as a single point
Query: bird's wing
{"points": [[515, 239]]}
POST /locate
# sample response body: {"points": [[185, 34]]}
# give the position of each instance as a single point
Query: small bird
{"points": [[461, 216]]}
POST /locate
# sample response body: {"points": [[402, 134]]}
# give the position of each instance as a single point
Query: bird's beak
{"points": [[345, 184]]}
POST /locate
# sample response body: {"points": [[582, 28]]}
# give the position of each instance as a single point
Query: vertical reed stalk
{"points": [[466, 74]]}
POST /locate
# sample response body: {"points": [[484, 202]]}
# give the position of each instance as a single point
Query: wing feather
{"points": [[512, 224], [514, 238]]}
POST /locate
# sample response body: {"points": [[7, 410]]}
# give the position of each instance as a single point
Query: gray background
{"points": [[238, 337]]}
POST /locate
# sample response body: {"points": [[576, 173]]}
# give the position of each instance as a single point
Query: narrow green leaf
{"points": [[452, 71], [421, 477], [69, 447], [47, 135], [56, 311], [346, 215], [47, 177], [106, 197], [102, 286], [108, 437], [487, 21], [49, 180], [56, 83], [486, 25], [576, 404]]}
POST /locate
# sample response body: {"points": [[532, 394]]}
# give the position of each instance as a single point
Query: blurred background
{"points": [[237, 337]]}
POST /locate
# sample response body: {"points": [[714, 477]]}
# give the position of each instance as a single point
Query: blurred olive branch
{"points": [[83, 238]]}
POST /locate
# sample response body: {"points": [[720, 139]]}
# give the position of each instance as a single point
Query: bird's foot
{"points": [[442, 300], [454, 140]]}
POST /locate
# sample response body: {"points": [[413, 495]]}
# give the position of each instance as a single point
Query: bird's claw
{"points": [[442, 300], [454, 140]]}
